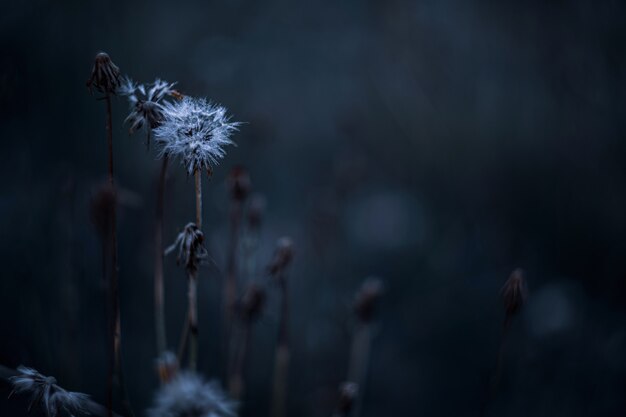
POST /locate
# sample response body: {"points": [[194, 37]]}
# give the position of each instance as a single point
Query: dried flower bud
{"points": [[282, 256], [239, 184], [514, 292], [105, 75], [252, 303], [348, 392], [102, 210], [167, 366], [367, 297], [256, 208], [190, 248]]}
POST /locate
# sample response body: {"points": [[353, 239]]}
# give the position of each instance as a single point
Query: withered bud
{"points": [[191, 251], [252, 303], [102, 210], [167, 366], [256, 209], [282, 256], [348, 392], [366, 299], [105, 75], [514, 292], [239, 184]]}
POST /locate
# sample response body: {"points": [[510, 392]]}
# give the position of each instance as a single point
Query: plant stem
{"points": [[236, 382], [230, 286], [193, 321], [359, 361], [159, 310], [281, 364], [495, 378], [198, 178], [116, 333]]}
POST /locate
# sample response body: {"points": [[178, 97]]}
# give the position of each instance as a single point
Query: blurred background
{"points": [[435, 144]]}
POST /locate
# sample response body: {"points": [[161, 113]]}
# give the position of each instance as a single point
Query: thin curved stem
{"points": [[159, 310]]}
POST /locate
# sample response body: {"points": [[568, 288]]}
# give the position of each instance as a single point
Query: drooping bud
{"points": [[514, 292], [256, 209], [105, 75], [252, 302], [366, 299], [282, 256], [239, 184]]}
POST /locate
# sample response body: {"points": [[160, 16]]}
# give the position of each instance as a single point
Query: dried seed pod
{"points": [[367, 297], [514, 292], [239, 184], [256, 209], [190, 248], [252, 303], [282, 256], [105, 75]]}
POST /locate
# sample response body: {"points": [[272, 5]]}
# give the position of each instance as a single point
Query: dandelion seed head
{"points": [[196, 131], [188, 395], [146, 102], [45, 391]]}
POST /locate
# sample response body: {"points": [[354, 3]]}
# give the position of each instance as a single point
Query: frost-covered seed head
{"points": [[105, 75], [190, 248], [44, 390], [146, 103], [195, 130], [188, 395]]}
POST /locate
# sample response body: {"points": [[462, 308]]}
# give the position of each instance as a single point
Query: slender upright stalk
{"points": [[198, 178], [495, 378], [116, 333], [159, 310], [193, 321], [281, 363], [239, 356], [230, 286], [359, 361], [193, 283]]}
